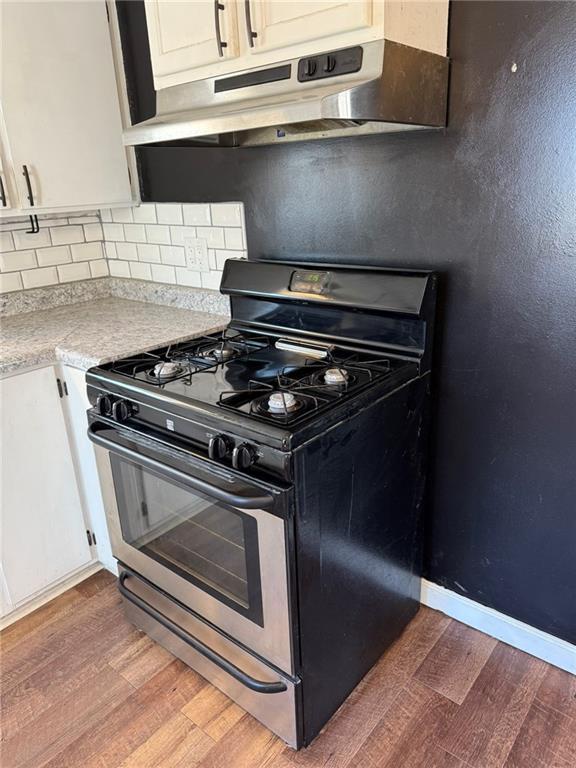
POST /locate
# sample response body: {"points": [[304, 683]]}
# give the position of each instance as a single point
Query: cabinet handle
{"points": [[2, 193], [250, 32], [28, 185], [219, 42]]}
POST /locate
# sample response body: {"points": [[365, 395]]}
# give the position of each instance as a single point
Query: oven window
{"points": [[206, 542]]}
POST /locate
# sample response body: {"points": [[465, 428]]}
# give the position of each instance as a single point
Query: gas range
{"points": [[264, 485]]}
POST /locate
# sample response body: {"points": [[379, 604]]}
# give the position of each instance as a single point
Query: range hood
{"points": [[395, 88]]}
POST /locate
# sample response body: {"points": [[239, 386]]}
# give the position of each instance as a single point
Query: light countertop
{"points": [[96, 331]]}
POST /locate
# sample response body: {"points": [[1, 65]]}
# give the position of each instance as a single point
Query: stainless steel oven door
{"points": [[210, 538]]}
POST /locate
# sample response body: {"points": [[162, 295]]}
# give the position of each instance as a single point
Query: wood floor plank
{"points": [[94, 584], [61, 636], [65, 721], [213, 712], [407, 735], [64, 674], [108, 742], [69, 702], [488, 721], [176, 744], [455, 661], [351, 725], [141, 661], [39, 619], [558, 690], [248, 745], [547, 739]]}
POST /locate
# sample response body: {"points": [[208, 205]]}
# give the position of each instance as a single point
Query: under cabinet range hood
{"points": [[378, 87]]}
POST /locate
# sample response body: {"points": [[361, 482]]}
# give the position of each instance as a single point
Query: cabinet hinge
{"points": [[62, 387], [91, 538]]}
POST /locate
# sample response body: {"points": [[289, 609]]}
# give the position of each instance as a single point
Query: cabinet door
{"points": [[282, 24], [184, 37], [60, 104], [76, 405], [42, 530]]}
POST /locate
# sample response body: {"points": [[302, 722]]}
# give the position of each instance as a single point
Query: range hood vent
{"points": [[398, 88]]}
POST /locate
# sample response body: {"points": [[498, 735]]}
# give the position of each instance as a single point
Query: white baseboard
{"points": [[505, 628]]}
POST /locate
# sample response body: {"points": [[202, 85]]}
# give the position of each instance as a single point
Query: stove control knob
{"points": [[243, 456], [121, 410], [104, 405], [219, 447]]}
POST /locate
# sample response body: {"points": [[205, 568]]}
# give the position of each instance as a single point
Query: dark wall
{"points": [[491, 204]]}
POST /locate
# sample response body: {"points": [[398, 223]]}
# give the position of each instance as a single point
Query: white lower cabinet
{"points": [[76, 404], [42, 529]]}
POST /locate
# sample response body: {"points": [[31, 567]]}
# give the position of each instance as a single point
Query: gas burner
{"points": [[282, 402], [279, 403], [335, 376], [221, 352], [167, 370]]}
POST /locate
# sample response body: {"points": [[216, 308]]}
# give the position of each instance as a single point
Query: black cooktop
{"points": [[252, 375]]}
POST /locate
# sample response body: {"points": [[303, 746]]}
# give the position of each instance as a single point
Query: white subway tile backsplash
{"points": [[179, 233], [10, 282], [50, 257], [6, 242], [227, 214], [173, 254], [110, 250], [67, 235], [197, 214], [145, 243], [70, 272], [119, 268], [211, 280], [87, 251], [23, 240], [122, 215], [148, 252], [163, 273], [17, 260], [99, 268], [188, 277], [145, 213], [169, 213], [214, 236], [93, 232], [35, 278], [158, 233], [221, 257], [113, 232], [127, 251], [135, 233], [140, 271], [233, 238]]}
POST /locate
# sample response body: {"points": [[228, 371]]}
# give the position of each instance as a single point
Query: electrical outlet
{"points": [[196, 249]]}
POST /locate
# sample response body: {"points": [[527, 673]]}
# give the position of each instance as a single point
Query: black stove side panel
{"points": [[359, 532]]}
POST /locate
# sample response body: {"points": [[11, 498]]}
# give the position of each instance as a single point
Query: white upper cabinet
{"points": [[60, 109], [184, 34], [277, 25], [199, 38]]}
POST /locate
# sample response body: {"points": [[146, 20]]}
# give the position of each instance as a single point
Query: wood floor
{"points": [[82, 688]]}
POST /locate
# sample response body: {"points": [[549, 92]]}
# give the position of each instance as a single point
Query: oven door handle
{"points": [[263, 501], [260, 686]]}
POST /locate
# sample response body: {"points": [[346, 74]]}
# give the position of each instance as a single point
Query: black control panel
{"points": [[330, 64]]}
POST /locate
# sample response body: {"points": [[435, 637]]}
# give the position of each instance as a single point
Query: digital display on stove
{"points": [[308, 281]]}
